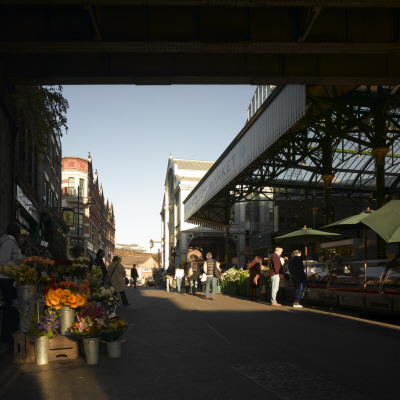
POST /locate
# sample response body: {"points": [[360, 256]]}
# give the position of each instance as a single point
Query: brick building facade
{"points": [[85, 208], [30, 180]]}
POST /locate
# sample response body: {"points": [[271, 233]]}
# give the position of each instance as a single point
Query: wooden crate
{"points": [[62, 348], [24, 350]]}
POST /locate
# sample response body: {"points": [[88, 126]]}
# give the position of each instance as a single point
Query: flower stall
{"points": [[236, 282], [59, 303]]}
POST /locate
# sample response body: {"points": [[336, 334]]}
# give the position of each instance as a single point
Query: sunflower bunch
{"points": [[67, 294]]}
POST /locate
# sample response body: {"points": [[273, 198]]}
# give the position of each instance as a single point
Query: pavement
{"points": [[185, 346]]}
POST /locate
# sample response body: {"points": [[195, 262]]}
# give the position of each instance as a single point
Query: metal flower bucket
{"points": [[66, 315], [91, 346], [25, 293], [42, 350]]}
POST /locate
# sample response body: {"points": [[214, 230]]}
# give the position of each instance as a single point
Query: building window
{"points": [[71, 186], [82, 187]]}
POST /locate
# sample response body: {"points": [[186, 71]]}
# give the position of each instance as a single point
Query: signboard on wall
{"points": [[68, 216]]}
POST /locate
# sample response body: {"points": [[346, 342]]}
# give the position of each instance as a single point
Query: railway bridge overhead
{"points": [[200, 42]]}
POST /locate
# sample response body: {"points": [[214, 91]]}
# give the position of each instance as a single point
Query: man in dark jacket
{"points": [[193, 273], [298, 277], [134, 275], [9, 252], [98, 262], [275, 272]]}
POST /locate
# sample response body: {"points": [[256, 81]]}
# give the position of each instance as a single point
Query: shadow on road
{"points": [[182, 346]]}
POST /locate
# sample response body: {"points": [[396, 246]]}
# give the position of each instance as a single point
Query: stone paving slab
{"points": [[291, 382]]}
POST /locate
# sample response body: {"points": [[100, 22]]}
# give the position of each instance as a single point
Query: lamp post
{"points": [[79, 239], [88, 203], [158, 251]]}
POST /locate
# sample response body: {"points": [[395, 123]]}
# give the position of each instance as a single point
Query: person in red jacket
{"points": [[275, 272]]}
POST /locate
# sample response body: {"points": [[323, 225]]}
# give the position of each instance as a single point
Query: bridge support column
{"points": [[380, 153], [227, 228], [328, 178]]}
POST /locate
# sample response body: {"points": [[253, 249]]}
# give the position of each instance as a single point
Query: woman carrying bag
{"points": [[116, 274]]}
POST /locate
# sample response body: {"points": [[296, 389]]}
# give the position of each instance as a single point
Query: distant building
{"points": [[180, 239], [145, 263], [86, 210], [131, 247]]}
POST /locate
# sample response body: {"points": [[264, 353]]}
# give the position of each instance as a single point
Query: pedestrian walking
{"points": [[179, 274], [116, 274], [275, 273], [193, 274], [254, 268], [298, 277], [134, 275], [211, 269], [186, 277], [9, 252], [99, 262], [169, 277]]}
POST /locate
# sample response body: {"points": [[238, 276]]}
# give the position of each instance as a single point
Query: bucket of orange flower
{"points": [[66, 297]]}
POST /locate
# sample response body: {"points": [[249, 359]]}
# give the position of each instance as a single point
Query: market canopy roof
{"points": [[286, 145]]}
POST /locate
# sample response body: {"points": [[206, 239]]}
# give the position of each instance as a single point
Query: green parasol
{"points": [[309, 235], [386, 222], [350, 221]]}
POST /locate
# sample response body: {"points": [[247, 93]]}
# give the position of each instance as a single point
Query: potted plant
{"points": [[91, 320], [44, 266], [116, 326], [106, 297], [95, 278], [75, 270], [27, 279], [40, 331], [66, 297]]}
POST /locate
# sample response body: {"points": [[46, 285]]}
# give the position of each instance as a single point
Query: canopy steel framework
{"points": [[334, 146]]}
